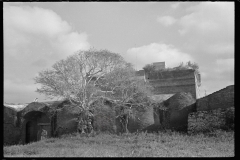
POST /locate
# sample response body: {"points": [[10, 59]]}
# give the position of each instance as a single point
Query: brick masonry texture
{"points": [[171, 82], [175, 89]]}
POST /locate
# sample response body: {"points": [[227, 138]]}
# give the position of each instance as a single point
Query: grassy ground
{"points": [[167, 144]]}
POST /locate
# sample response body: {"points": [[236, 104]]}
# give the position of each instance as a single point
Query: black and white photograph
{"points": [[118, 79]]}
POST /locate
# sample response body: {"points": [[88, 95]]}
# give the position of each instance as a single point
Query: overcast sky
{"points": [[38, 34]]}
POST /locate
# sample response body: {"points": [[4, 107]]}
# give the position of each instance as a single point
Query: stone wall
{"points": [[171, 82], [215, 111], [205, 121], [11, 124], [173, 112], [141, 117], [66, 119], [57, 117], [188, 73], [31, 115], [175, 89]]}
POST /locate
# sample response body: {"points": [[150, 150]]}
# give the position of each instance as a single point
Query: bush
{"points": [[229, 117]]}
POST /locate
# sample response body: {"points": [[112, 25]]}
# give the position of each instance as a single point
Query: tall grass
{"points": [[163, 144]]}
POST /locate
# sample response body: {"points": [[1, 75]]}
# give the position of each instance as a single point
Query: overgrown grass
{"points": [[163, 144]]}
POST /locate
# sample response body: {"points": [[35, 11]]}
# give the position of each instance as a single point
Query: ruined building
{"points": [[167, 82], [177, 107]]}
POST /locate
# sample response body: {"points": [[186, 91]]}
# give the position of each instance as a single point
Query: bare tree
{"points": [[128, 90], [75, 77], [88, 75]]}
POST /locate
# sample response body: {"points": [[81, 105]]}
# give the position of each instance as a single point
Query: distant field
{"points": [[167, 144]]}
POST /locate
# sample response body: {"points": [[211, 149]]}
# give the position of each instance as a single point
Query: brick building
{"points": [[168, 82]]}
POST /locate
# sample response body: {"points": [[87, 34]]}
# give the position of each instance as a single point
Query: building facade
{"points": [[169, 82]]}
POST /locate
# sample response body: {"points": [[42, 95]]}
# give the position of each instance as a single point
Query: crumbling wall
{"points": [[175, 89], [11, 124], [164, 74], [35, 106], [205, 121], [173, 112], [171, 82], [33, 112], [215, 111], [140, 118], [67, 119]]}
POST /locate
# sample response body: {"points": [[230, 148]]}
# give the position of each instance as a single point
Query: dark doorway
{"points": [[31, 134], [37, 122]]}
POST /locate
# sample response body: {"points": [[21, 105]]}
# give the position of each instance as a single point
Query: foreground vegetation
{"points": [[164, 144]]}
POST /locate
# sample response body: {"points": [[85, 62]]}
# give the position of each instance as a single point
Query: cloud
{"points": [[70, 43], [35, 20], [24, 26], [195, 24], [208, 17], [34, 39], [220, 48], [207, 30], [166, 20], [156, 52]]}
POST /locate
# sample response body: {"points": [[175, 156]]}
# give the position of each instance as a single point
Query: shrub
{"points": [[229, 117]]}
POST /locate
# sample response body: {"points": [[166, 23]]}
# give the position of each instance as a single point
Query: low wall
{"points": [[205, 121], [11, 124], [66, 119], [173, 112], [141, 118], [215, 111]]}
